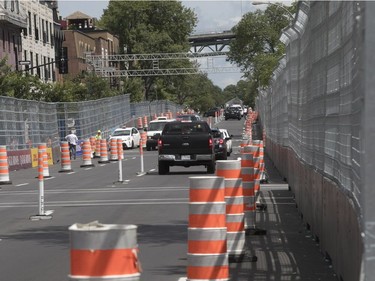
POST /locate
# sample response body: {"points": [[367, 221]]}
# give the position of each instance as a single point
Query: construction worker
{"points": [[98, 135]]}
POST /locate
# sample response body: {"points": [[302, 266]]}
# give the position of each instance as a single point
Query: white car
{"points": [[130, 136], [153, 132], [228, 140], [239, 107]]}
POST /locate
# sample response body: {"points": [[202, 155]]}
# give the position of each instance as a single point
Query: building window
{"points": [[30, 25]]}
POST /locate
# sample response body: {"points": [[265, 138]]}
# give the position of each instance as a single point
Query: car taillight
{"points": [[210, 143], [221, 141], [160, 143]]}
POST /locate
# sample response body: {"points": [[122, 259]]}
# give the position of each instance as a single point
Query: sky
{"points": [[213, 16]]}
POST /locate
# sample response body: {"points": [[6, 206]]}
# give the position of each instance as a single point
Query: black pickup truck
{"points": [[186, 144]]}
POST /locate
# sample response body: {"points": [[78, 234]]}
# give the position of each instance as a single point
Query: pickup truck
{"points": [[186, 144]]}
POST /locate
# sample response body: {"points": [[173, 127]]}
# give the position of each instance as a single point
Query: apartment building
{"points": [[12, 21], [41, 39], [81, 37]]}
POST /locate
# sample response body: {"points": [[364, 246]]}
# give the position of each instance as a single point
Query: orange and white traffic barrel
{"points": [[113, 155], [103, 152], [145, 122], [43, 146], [93, 145], [104, 252], [207, 245], [247, 175], [235, 221], [97, 148], [66, 164], [139, 123], [4, 166], [86, 154]]}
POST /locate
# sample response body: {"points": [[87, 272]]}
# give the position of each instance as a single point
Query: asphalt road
{"points": [[158, 205]]}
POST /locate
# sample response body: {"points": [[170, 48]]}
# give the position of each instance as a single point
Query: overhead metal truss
{"points": [[109, 66]]}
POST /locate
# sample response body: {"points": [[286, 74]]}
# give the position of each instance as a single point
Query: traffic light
{"points": [[63, 60]]}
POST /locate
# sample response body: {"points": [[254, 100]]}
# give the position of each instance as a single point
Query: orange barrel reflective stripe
{"points": [[103, 152], [246, 159], [104, 252], [113, 156], [228, 169], [86, 154], [66, 164], [207, 240], [208, 267], [4, 166], [207, 214], [206, 189]]}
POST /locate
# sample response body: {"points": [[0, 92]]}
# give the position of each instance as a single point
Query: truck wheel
{"points": [[211, 168], [163, 168], [148, 148]]}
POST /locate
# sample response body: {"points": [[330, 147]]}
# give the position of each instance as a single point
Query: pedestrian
{"points": [[73, 141], [98, 135]]}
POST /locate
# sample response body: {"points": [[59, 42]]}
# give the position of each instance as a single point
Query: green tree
{"points": [[257, 48], [149, 27]]}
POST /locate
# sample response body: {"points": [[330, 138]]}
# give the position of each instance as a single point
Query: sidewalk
{"points": [[288, 250]]}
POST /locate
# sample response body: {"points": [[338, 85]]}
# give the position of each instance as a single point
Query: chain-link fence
{"points": [[313, 118], [25, 124]]}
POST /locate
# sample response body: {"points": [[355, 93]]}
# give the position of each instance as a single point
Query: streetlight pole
{"points": [[256, 3]]}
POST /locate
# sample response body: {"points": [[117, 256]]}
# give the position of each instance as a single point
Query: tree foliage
{"points": [[257, 47], [146, 27]]}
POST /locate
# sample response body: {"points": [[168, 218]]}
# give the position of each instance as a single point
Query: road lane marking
{"points": [[22, 184]]}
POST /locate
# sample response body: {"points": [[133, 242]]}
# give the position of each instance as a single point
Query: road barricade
{"points": [[86, 154], [4, 166], [104, 252], [103, 152], [113, 155], [207, 245], [66, 164]]}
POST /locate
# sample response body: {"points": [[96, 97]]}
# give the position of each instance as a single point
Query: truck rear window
{"points": [[185, 128]]}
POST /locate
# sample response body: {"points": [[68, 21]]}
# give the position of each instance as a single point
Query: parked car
{"points": [[232, 113], [228, 140], [130, 136], [220, 145], [211, 112], [188, 117]]}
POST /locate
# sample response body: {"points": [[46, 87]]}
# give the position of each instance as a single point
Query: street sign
{"points": [[24, 62]]}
